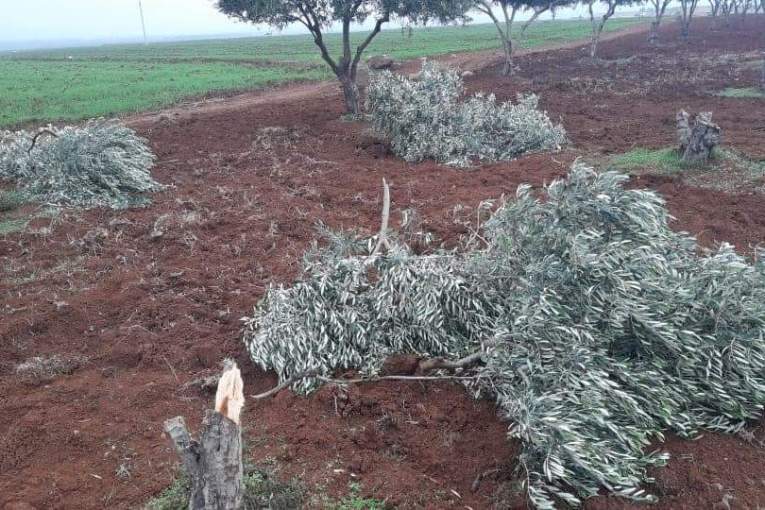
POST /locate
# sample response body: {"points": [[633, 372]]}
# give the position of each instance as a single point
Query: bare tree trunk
{"points": [[659, 7], [687, 8], [214, 462], [503, 30], [762, 77], [697, 140], [351, 95], [346, 67], [597, 26], [507, 67]]}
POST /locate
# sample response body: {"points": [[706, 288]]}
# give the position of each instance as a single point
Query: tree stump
{"points": [[214, 462], [698, 137]]}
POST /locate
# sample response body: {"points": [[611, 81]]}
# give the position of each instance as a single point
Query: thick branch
{"points": [[424, 366], [442, 364], [314, 26], [538, 11], [363, 46]]}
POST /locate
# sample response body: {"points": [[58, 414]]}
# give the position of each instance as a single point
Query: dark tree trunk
{"points": [[351, 94], [653, 32], [697, 139], [507, 68], [214, 462]]}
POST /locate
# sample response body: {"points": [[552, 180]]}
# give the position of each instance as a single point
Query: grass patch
{"points": [[742, 93], [36, 91], [665, 160], [261, 490], [11, 226], [728, 170], [78, 83], [354, 501]]}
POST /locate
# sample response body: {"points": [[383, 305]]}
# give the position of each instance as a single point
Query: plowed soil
{"points": [[152, 297]]}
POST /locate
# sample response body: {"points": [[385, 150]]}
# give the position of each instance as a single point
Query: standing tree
{"points": [[687, 9], [598, 23], [659, 6], [319, 15], [509, 9]]}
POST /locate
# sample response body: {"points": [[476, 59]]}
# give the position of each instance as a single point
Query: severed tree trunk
{"points": [[214, 462], [698, 138]]}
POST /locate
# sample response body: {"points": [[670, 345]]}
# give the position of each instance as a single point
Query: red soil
{"points": [[154, 312]]}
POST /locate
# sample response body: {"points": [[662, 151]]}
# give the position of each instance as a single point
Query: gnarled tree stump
{"points": [[214, 462], [698, 137]]}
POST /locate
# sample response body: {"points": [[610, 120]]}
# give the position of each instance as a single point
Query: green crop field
{"points": [[77, 83]]}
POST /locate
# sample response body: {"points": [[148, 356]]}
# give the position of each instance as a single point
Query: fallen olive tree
{"points": [[103, 163], [426, 117], [594, 326]]}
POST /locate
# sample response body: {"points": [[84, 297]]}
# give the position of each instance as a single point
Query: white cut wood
{"points": [[214, 462]]}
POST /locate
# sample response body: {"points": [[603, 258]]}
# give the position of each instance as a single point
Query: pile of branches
{"points": [[426, 118], [595, 327], [103, 163]]}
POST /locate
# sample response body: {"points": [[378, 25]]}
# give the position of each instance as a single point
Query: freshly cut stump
{"points": [[214, 462], [697, 138]]}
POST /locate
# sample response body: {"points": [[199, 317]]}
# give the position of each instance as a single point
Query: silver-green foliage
{"points": [[616, 331], [103, 163], [352, 310], [424, 118], [600, 328]]}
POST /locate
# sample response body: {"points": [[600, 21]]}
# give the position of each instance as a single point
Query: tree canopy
{"points": [[318, 15]]}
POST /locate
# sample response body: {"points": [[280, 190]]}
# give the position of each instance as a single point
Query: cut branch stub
{"points": [[214, 462], [697, 138]]}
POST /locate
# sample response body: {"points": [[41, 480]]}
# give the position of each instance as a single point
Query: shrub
{"points": [[102, 163], [599, 328], [424, 118]]}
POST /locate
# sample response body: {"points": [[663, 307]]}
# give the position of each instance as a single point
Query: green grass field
{"points": [[77, 83]]}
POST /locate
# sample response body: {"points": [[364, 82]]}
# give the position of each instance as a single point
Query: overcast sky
{"points": [[103, 20]]}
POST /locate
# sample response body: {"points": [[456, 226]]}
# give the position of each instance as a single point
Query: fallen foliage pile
{"points": [[598, 328], [426, 118], [102, 163]]}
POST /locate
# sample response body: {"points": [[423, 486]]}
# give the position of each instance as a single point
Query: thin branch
{"points": [[363, 46], [40, 133], [284, 384], [442, 364], [399, 378], [425, 365]]}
